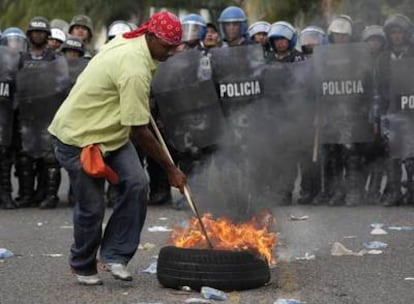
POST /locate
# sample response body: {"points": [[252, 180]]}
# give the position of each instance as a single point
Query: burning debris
{"points": [[253, 235]]}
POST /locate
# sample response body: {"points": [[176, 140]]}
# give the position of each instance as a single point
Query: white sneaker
{"points": [[119, 271], [89, 280]]}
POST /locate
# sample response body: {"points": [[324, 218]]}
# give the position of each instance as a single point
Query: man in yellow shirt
{"points": [[108, 106]]}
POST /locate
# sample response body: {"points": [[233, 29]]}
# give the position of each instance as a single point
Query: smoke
{"points": [[262, 143]]}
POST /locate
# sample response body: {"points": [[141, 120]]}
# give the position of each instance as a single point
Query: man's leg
{"points": [[122, 233]]}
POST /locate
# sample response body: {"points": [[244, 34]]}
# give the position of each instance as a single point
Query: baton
{"points": [[187, 192]]}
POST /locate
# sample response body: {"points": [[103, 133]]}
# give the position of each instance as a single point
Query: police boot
{"points": [[52, 186], [41, 177], [392, 193], [373, 196], [25, 175], [6, 200]]}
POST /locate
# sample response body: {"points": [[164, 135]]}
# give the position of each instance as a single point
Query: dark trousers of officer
{"points": [[6, 161]]}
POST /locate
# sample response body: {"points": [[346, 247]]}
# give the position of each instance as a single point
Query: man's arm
{"points": [[143, 137]]}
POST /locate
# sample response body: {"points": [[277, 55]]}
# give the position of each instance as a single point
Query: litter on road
{"points": [[288, 301], [338, 249], [152, 268], [213, 294], [298, 218], [375, 245], [159, 229], [5, 253]]}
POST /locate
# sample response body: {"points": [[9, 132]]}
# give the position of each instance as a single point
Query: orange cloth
{"points": [[94, 165]]}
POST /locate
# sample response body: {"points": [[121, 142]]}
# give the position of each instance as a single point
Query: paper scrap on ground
{"points": [[287, 301], [298, 218], [5, 253], [159, 229], [338, 249], [307, 257], [152, 268], [409, 279], [375, 245], [146, 246], [53, 255], [197, 301], [401, 228]]}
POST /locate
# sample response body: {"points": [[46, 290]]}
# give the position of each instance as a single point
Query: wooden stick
{"points": [[316, 140], [187, 192]]}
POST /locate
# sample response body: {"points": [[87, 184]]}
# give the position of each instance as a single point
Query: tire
{"points": [[220, 269]]}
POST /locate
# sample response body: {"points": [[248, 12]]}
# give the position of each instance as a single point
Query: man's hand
{"points": [[177, 178]]}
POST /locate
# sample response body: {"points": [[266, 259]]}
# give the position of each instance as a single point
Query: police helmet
{"points": [[401, 21], [282, 29], [57, 34], [311, 36], [118, 27], [341, 24], [373, 31], [233, 14], [14, 38], [60, 24], [258, 27], [194, 27], [73, 43], [38, 24], [82, 20]]}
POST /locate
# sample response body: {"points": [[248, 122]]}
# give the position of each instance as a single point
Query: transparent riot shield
{"points": [[40, 91], [8, 67], [344, 86], [399, 122], [188, 106]]}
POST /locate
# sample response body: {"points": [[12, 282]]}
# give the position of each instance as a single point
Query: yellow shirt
{"points": [[110, 96]]}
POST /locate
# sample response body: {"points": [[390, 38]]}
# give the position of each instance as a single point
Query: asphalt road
{"points": [[40, 240]]}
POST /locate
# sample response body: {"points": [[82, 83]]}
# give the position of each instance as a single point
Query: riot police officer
{"points": [[375, 153], [310, 187], [81, 26], [212, 37], [15, 40], [282, 39], [56, 39], [398, 29], [233, 27], [46, 169]]}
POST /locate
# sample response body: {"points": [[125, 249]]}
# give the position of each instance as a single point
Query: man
{"points": [[31, 170], [56, 39], [233, 27], [282, 38], [12, 42], [212, 38], [81, 26], [398, 29], [108, 105]]}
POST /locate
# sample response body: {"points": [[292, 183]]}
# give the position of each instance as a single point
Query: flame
{"points": [[223, 234]]}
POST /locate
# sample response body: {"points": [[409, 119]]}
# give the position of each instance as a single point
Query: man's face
{"points": [[341, 38], [159, 49], [72, 54], [281, 45], [396, 36], [374, 44], [232, 30], [80, 31], [212, 37], [260, 38], [54, 44], [38, 38]]}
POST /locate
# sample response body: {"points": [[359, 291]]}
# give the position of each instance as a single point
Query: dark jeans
{"points": [[122, 233]]}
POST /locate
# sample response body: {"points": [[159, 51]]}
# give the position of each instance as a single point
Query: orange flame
{"points": [[252, 235]]}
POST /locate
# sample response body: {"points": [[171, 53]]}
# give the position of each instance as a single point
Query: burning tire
{"points": [[221, 269]]}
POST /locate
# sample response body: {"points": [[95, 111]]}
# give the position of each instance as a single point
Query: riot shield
{"points": [[8, 67], [41, 89], [344, 86], [188, 107], [399, 127], [290, 105], [76, 66]]}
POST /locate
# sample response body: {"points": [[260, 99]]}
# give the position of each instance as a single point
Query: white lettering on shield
{"points": [[407, 102], [343, 87], [240, 89], [4, 89]]}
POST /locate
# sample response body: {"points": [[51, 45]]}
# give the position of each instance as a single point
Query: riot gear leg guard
{"points": [[52, 184], [354, 180], [409, 195], [374, 189], [25, 175], [392, 193], [6, 200]]}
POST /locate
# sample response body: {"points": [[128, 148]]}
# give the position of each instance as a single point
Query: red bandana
{"points": [[164, 25]]}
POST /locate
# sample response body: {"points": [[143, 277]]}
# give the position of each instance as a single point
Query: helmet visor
{"points": [[191, 31], [14, 42], [311, 38]]}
